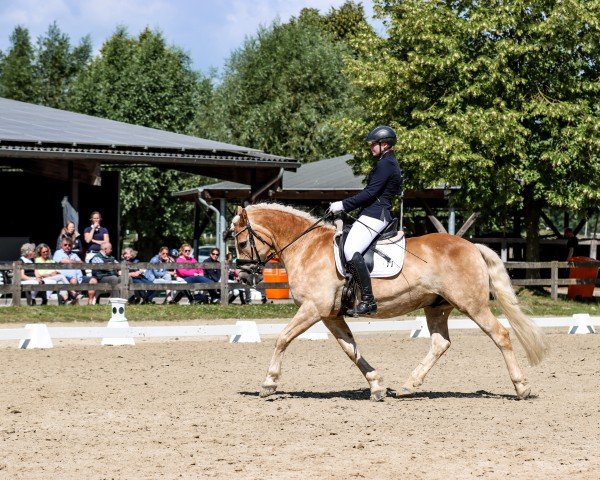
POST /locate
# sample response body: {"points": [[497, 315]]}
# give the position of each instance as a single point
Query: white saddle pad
{"points": [[393, 247]]}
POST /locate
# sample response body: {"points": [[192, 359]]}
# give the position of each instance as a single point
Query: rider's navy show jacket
{"points": [[383, 183]]}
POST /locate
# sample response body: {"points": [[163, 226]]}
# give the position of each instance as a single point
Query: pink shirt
{"points": [[187, 272]]}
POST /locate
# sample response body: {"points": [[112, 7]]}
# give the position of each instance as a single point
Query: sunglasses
{"points": [[186, 251], [214, 253]]}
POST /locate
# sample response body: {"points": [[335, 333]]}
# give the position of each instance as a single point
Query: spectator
{"points": [[162, 275], [94, 236], [106, 276], [51, 277], [69, 232], [74, 276], [189, 275], [572, 242], [28, 277], [250, 278], [137, 276], [212, 273]]}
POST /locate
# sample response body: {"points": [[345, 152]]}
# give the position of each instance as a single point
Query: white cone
{"points": [[422, 331], [39, 336], [248, 333], [582, 324]]}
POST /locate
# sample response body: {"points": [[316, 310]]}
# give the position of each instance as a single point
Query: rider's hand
{"points": [[336, 207]]}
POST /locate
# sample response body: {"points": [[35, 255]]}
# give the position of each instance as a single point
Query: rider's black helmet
{"points": [[382, 133]]}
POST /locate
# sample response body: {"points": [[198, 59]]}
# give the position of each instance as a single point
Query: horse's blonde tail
{"points": [[529, 334]]}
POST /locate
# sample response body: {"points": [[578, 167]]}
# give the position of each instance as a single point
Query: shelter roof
{"points": [[29, 132]]}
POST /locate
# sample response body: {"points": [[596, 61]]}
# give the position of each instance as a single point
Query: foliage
{"points": [[145, 82], [17, 73], [283, 88], [500, 98]]}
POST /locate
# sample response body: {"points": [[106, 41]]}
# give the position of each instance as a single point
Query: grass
{"points": [[534, 304]]}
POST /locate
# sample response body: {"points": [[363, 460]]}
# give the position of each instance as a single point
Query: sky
{"points": [[208, 30]]}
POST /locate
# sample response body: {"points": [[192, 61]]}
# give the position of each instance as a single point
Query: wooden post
{"points": [[593, 248], [554, 280], [224, 283], [16, 282], [124, 282]]}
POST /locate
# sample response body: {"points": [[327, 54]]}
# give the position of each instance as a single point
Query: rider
{"points": [[375, 200]]}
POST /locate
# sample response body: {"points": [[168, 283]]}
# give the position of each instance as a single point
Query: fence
{"points": [[125, 285], [127, 288]]}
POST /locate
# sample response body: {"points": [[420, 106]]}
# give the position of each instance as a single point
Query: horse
{"points": [[441, 272]]}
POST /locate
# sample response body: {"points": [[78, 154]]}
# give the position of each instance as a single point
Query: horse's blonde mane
{"points": [[287, 209]]}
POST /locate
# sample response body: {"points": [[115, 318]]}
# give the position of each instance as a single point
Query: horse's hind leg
{"points": [[496, 331], [341, 331], [437, 322], [306, 316]]}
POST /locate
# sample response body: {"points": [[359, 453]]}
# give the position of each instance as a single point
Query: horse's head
{"points": [[252, 242]]}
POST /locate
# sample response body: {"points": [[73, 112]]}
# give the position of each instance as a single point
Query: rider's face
{"points": [[378, 148]]}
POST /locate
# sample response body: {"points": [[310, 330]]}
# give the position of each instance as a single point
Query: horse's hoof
{"points": [[267, 391], [405, 392], [378, 395], [523, 391]]}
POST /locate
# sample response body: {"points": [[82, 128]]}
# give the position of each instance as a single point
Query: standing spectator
{"points": [[69, 232], [42, 255], [137, 276], [74, 276], [572, 242], [94, 236], [189, 275], [212, 273], [106, 276], [28, 276]]}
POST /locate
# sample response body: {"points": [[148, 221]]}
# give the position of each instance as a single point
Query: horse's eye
{"points": [[243, 244]]}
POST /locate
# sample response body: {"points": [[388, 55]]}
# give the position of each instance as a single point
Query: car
{"points": [[204, 252]]}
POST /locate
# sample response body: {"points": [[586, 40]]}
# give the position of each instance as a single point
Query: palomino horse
{"points": [[440, 273]]}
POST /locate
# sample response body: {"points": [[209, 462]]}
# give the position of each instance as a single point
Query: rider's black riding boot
{"points": [[360, 273]]}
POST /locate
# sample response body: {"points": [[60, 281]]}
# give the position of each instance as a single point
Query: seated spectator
{"points": [[69, 232], [51, 277], [213, 273], [28, 277], [106, 276], [74, 275], [162, 275], [137, 276], [189, 275]]}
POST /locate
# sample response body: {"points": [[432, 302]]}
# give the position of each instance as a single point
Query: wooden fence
{"points": [[126, 287]]}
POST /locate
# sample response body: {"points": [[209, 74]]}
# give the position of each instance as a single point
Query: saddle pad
{"points": [[393, 247]]}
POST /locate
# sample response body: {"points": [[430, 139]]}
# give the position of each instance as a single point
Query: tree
{"points": [[57, 64], [283, 88], [17, 73], [501, 98], [145, 82]]}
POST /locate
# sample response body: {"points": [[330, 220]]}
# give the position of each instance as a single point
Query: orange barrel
{"points": [[591, 272], [272, 274]]}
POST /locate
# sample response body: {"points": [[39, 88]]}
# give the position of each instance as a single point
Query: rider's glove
{"points": [[336, 207]]}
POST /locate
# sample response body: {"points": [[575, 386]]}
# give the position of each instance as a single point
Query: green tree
{"points": [[17, 72], [282, 90], [145, 82], [57, 63], [499, 97]]}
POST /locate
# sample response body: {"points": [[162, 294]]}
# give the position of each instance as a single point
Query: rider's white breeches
{"points": [[362, 234]]}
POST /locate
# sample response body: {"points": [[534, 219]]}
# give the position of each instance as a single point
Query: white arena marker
{"points": [[316, 332], [39, 336], [248, 332], [118, 320], [581, 324], [422, 331]]}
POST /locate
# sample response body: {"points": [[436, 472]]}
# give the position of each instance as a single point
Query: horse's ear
{"points": [[243, 216]]}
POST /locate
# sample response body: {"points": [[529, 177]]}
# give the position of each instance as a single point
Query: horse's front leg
{"points": [[341, 331], [305, 318]]}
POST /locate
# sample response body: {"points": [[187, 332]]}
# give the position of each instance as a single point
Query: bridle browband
{"points": [[274, 252]]}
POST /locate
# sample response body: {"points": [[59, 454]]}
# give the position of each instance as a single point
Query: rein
{"points": [[274, 253]]}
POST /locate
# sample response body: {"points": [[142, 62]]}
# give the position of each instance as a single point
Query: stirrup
{"points": [[364, 307]]}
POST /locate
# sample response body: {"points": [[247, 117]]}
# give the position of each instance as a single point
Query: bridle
{"points": [[273, 252]]}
